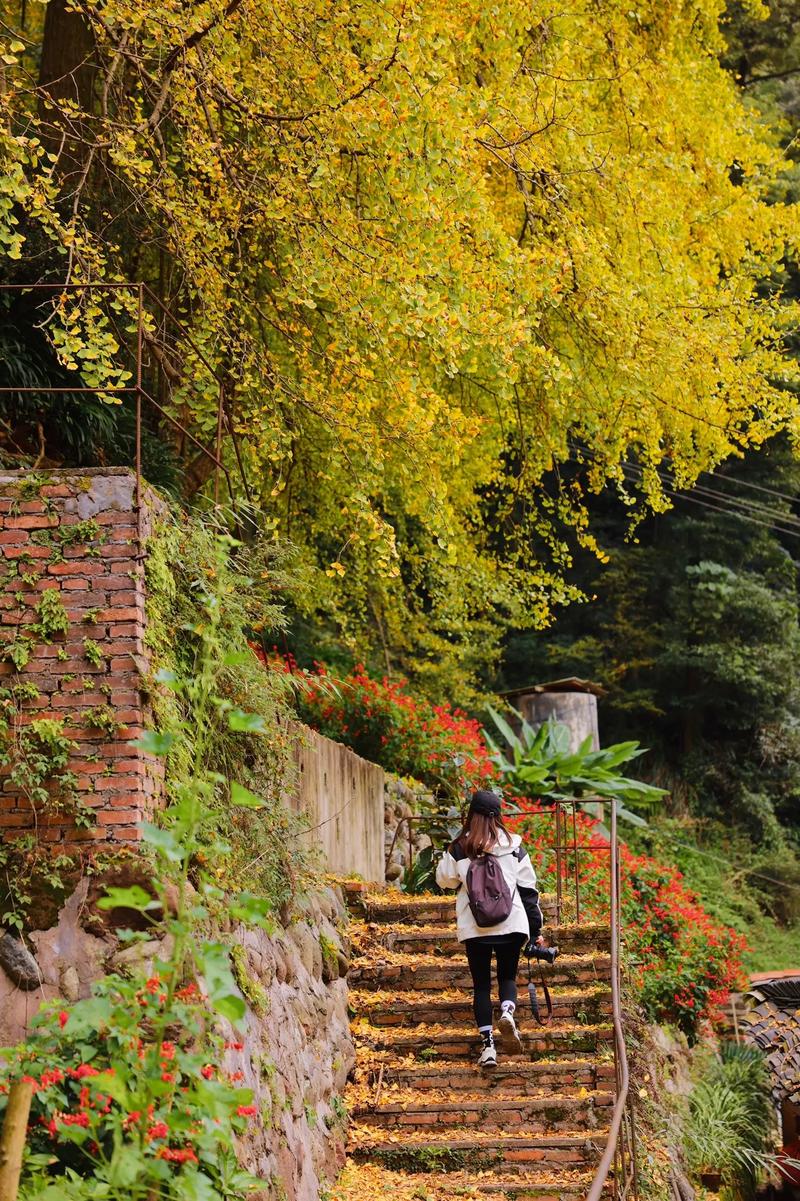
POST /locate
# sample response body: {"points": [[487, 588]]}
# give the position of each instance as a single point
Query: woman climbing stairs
{"points": [[535, 1126]]}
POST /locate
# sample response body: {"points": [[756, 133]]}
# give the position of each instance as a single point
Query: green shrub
{"points": [[730, 1125]]}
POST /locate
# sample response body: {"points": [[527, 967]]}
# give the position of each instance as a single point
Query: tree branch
{"points": [[745, 83]]}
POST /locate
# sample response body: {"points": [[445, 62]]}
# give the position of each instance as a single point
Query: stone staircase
{"points": [[535, 1127]]}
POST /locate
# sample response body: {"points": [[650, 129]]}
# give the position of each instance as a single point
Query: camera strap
{"points": [[533, 998]]}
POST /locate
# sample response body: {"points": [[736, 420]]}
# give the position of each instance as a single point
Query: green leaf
{"points": [[163, 841], [247, 907], [128, 898], [127, 1166], [631, 818], [169, 679], [195, 1186], [237, 658], [504, 728], [110, 1085], [213, 961], [229, 1006], [245, 723], [243, 798], [155, 742]]}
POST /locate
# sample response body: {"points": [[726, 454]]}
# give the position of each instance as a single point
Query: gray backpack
{"points": [[489, 896]]}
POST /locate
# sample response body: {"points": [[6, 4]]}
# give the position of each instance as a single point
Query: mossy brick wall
{"points": [[75, 532]]}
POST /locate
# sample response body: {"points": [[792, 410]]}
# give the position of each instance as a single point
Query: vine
{"points": [[184, 559], [62, 536], [35, 752], [93, 652], [102, 717]]}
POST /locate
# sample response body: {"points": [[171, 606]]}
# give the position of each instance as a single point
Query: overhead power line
{"points": [[731, 506], [792, 500], [734, 863]]}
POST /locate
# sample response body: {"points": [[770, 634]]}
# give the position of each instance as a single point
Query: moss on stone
{"points": [[254, 993], [435, 1159], [330, 957]]}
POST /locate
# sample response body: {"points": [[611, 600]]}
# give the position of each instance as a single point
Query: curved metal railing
{"points": [[619, 1156]]}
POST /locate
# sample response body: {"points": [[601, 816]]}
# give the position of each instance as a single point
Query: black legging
{"points": [[479, 958]]}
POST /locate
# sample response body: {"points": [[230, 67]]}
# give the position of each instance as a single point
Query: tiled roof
{"points": [[772, 1021]]}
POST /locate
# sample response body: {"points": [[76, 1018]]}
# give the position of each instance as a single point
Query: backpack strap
{"points": [[457, 851], [534, 1000]]}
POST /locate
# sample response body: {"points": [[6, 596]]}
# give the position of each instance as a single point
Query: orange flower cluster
{"points": [[682, 961], [383, 722]]}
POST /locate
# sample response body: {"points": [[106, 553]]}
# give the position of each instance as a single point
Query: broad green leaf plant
{"points": [[540, 764]]}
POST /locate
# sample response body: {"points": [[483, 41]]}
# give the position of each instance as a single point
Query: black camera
{"points": [[544, 954]]}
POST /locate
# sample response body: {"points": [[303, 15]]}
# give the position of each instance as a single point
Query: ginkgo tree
{"points": [[435, 250]]}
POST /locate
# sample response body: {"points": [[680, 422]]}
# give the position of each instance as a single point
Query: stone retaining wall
{"points": [[295, 1050]]}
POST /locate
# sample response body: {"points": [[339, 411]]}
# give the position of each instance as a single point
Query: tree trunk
{"points": [[12, 1140], [67, 73]]}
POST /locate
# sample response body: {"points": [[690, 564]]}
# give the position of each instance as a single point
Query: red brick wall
{"points": [[99, 578]]}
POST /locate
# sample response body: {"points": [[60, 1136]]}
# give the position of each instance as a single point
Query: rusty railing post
{"points": [[138, 433], [557, 816], [614, 1148], [576, 865], [139, 353]]}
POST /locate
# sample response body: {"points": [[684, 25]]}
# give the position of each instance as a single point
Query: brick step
{"points": [[435, 1043], [429, 940], [541, 1114], [428, 909], [524, 1153], [564, 1185], [584, 1006], [427, 973], [513, 1077]]}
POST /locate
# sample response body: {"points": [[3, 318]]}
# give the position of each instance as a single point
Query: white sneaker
{"points": [[509, 1035], [488, 1056]]}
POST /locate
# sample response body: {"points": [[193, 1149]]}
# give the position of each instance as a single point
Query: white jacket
{"points": [[518, 871]]}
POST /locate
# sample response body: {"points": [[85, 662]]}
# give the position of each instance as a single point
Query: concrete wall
{"points": [[342, 796]]}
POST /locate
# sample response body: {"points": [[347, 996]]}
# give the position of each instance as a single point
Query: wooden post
{"points": [[12, 1140]]}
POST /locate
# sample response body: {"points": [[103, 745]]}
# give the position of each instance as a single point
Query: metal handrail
{"points": [[614, 1149], [140, 290]]}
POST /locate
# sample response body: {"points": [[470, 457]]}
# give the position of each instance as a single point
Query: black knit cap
{"points": [[485, 802]]}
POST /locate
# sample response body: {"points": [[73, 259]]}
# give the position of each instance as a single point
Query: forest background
{"points": [[485, 300]]}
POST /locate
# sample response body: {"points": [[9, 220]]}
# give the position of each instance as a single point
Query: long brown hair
{"points": [[480, 833]]}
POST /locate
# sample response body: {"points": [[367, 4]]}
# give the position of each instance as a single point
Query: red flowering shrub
{"points": [[118, 1105], [381, 721], [682, 962]]}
